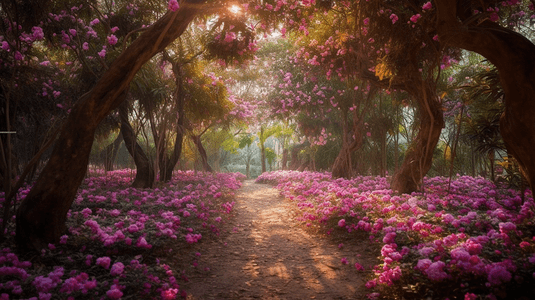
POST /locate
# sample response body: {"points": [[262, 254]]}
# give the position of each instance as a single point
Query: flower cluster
{"points": [[121, 227], [452, 236]]}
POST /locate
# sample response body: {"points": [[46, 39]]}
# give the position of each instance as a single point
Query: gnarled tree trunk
{"points": [[42, 214], [513, 56], [419, 155], [144, 169], [202, 152]]}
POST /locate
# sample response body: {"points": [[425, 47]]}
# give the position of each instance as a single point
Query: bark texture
{"points": [[513, 56], [42, 214], [419, 155], [144, 169]]}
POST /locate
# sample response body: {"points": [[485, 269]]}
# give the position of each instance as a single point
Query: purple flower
{"points": [[498, 274], [173, 5], [435, 271], [117, 269], [506, 227], [104, 262], [112, 39], [114, 293]]}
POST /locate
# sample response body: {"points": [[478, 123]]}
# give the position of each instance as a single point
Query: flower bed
{"points": [[119, 239], [467, 240]]}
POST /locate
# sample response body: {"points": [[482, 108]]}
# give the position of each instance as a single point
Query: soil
{"points": [[263, 253]]}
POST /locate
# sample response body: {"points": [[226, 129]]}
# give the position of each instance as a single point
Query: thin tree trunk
{"points": [[144, 170], [166, 170], [202, 152], [262, 149], [110, 153], [352, 139], [42, 214], [512, 54], [419, 155], [284, 158]]}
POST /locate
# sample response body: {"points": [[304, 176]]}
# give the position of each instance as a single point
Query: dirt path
{"points": [[267, 256]]}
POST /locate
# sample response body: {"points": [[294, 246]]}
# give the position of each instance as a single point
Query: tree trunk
{"points": [[144, 169], [512, 54], [262, 149], [166, 169], [419, 155], [352, 139], [110, 153], [204, 157], [42, 214], [284, 158]]}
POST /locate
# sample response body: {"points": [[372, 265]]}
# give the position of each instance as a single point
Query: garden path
{"points": [[263, 253]]}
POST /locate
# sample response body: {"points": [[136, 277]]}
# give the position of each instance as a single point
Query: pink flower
{"points": [[18, 55], [112, 40], [142, 243], [389, 238], [169, 294], [470, 296], [63, 239], [117, 269], [435, 271], [427, 6], [37, 33], [114, 293], [102, 53], [173, 5], [506, 227], [498, 274], [415, 18], [342, 223], [104, 262], [359, 267], [344, 260]]}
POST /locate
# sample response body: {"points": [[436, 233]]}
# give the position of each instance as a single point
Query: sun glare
{"points": [[235, 9]]}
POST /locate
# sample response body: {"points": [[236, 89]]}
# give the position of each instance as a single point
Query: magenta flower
{"points": [[112, 39], [342, 223], [142, 243], [173, 5], [435, 271], [169, 294], [114, 293], [498, 274], [427, 6], [104, 262], [415, 18], [344, 260], [117, 269]]}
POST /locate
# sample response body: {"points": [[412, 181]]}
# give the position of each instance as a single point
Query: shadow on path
{"points": [[267, 255]]}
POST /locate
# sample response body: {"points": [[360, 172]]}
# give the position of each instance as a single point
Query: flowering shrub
{"points": [[119, 237], [475, 240]]}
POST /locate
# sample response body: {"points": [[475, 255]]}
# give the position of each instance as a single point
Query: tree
{"points": [[512, 54], [42, 214]]}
